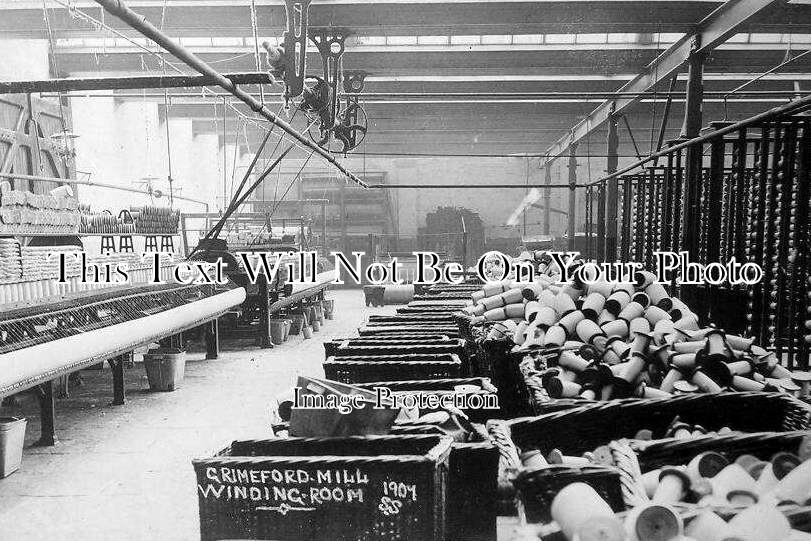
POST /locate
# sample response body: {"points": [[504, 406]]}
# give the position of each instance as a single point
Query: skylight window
{"points": [[465, 40], [591, 38], [560, 38], [497, 39], [433, 40], [401, 40], [528, 39]]}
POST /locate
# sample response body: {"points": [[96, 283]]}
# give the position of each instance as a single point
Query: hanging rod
{"points": [[140, 24], [38, 178]]}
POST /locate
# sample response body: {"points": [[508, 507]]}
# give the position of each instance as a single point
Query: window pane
{"points": [[560, 38], [591, 38]]}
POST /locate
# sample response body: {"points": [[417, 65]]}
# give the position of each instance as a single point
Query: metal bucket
{"points": [[165, 368], [329, 306], [277, 327], [296, 323], [12, 436], [287, 325]]}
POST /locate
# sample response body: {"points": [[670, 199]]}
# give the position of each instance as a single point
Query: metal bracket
{"points": [[354, 81], [695, 43], [295, 46], [330, 43]]}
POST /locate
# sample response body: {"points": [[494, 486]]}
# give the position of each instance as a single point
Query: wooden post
{"points": [[324, 227], [342, 209], [547, 197], [117, 364], [174, 341], [572, 193], [693, 167], [610, 254], [213, 339], [263, 338], [47, 415], [691, 213]]}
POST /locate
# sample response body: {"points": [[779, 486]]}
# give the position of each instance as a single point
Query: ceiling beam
{"points": [[548, 62], [203, 18], [157, 81], [712, 31]]}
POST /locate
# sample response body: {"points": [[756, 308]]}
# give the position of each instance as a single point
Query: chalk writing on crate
{"points": [[286, 490]]}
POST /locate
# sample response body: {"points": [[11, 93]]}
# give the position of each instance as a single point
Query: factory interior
{"points": [[428, 270]]}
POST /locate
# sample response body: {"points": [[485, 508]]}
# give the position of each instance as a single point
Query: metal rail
{"points": [[470, 186], [130, 82], [38, 178], [139, 23], [793, 107], [716, 28]]}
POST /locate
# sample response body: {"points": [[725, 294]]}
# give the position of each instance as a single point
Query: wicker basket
{"points": [[634, 457], [431, 384], [404, 331], [584, 428], [455, 346], [445, 295], [579, 429], [798, 516], [446, 308], [509, 370], [537, 488], [392, 368], [427, 318], [464, 323], [359, 488]]}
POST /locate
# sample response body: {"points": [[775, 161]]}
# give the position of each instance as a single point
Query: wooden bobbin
{"points": [[593, 306], [582, 514], [555, 336], [731, 478], [708, 526], [618, 327], [762, 522], [637, 325], [653, 522], [617, 301], [631, 311], [673, 486]]}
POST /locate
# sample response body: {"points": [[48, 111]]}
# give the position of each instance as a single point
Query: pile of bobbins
{"points": [[689, 501], [619, 340], [581, 514]]}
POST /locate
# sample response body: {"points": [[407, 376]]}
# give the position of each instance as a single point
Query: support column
{"points": [[611, 195], [263, 339], [547, 197], [117, 364], [693, 167], [324, 228], [213, 339], [176, 341], [342, 210], [572, 193], [47, 415]]}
